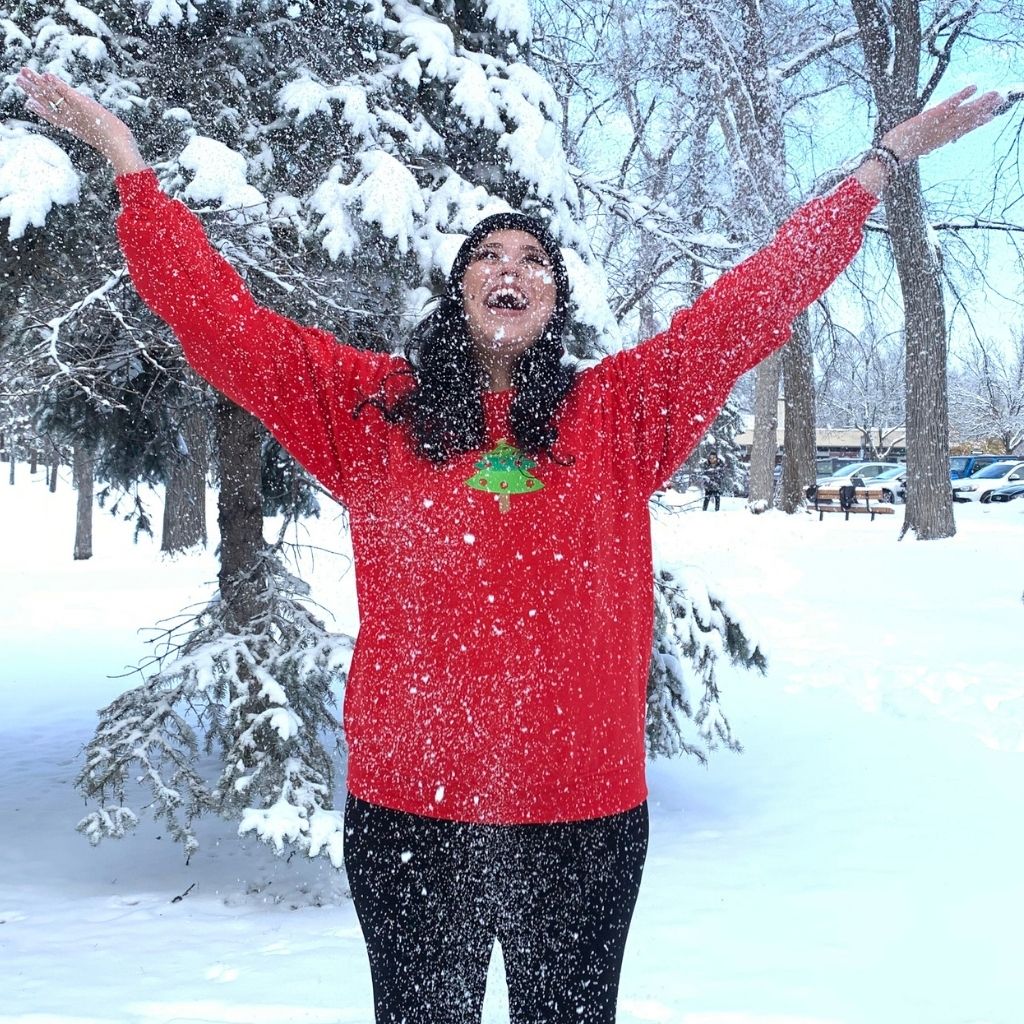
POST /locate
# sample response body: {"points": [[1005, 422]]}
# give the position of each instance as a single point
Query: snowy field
{"points": [[862, 862]]}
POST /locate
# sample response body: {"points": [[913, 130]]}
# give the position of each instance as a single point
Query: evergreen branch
{"points": [[263, 696], [693, 631]]}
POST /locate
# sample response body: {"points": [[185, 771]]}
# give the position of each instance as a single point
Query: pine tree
{"points": [[337, 153]]}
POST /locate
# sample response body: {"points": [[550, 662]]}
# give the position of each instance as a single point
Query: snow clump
{"points": [[219, 175], [35, 175]]}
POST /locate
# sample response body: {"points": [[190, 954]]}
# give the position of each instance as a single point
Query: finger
{"points": [[26, 81], [985, 107], [37, 108], [959, 97], [36, 80], [34, 87]]}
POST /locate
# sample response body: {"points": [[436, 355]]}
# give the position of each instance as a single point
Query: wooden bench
{"points": [[850, 501]]}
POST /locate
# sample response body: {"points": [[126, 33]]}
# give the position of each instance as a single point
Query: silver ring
{"points": [[55, 106]]}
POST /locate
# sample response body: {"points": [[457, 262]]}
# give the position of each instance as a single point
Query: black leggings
{"points": [[432, 896]]}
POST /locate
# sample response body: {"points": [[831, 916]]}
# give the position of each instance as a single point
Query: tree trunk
{"points": [[184, 523], [766, 423], [54, 466], [929, 511], [33, 466], [892, 40], [798, 466], [10, 456], [240, 514], [83, 481]]}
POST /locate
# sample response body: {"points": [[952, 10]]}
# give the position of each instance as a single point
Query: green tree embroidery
{"points": [[505, 470]]}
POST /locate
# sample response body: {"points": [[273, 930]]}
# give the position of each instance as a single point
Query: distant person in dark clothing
{"points": [[712, 470]]}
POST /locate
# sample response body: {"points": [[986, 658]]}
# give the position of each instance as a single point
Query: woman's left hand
{"points": [[945, 122]]}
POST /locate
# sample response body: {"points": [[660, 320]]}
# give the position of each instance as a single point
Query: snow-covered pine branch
{"points": [[694, 630], [263, 699]]}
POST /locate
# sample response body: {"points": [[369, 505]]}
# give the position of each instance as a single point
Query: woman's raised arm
{"points": [[754, 304], [932, 128], [298, 380], [678, 380]]}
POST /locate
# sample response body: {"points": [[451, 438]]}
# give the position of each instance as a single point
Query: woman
{"points": [[498, 508]]}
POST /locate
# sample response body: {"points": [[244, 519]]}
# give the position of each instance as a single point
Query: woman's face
{"points": [[508, 296]]}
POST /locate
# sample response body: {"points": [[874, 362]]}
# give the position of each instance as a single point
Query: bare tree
{"points": [[908, 46], [706, 154], [758, 48], [863, 386], [638, 122], [987, 395]]}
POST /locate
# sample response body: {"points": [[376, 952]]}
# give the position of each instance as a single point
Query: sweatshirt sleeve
{"points": [[666, 392], [299, 381]]}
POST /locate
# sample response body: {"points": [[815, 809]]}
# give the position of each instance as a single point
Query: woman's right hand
{"points": [[59, 104]]}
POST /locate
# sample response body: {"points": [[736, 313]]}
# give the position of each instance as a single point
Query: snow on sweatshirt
{"points": [[505, 602]]}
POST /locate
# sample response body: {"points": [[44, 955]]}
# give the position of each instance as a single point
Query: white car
{"points": [[893, 483], [866, 471], [999, 474]]}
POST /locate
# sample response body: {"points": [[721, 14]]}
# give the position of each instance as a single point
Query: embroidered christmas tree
{"points": [[505, 470]]}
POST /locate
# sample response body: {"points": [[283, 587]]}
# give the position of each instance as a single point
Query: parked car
{"points": [[1001, 494], [998, 474], [961, 466], [866, 471], [893, 483], [829, 465], [862, 472]]}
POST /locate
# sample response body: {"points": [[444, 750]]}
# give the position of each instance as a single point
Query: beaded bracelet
{"points": [[885, 155]]}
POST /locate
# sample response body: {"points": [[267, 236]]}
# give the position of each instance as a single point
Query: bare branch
{"points": [[945, 54], [975, 224], [796, 64]]}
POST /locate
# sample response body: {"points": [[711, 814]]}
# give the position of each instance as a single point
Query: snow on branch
{"points": [[219, 173], [693, 631], [264, 697], [87, 19], [35, 175], [801, 60], [388, 195], [510, 17], [975, 224]]}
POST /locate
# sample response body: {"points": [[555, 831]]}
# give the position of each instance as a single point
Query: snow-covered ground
{"points": [[862, 862]]}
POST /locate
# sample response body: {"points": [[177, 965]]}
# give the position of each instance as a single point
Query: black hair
{"points": [[444, 411]]}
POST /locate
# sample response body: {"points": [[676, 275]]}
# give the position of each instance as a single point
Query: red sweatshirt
{"points": [[505, 602]]}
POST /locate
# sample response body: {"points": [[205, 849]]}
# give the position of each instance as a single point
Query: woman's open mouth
{"points": [[507, 297]]}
